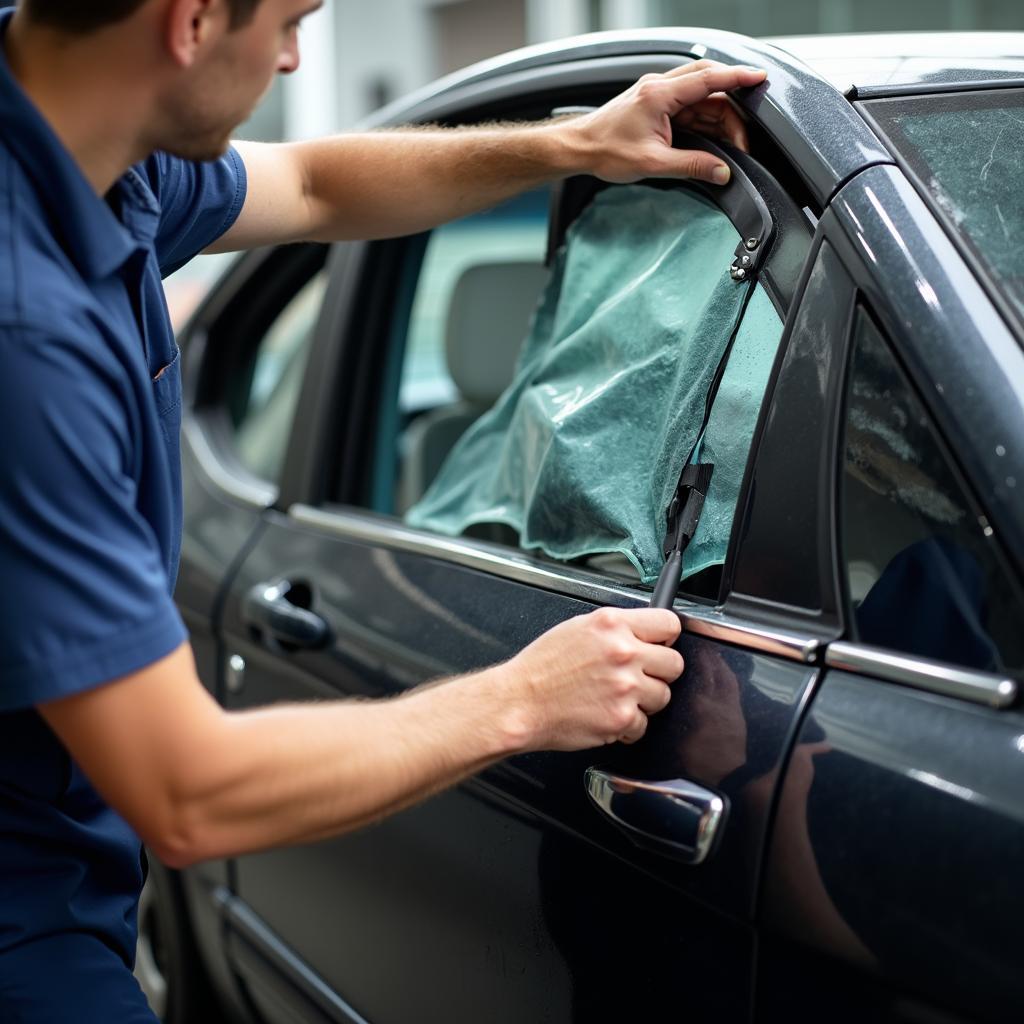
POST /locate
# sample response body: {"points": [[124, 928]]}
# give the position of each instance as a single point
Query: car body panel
{"points": [[503, 875], [923, 61], [911, 812]]}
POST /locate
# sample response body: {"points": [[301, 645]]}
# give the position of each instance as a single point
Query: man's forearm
{"points": [[294, 774], [198, 782], [389, 183]]}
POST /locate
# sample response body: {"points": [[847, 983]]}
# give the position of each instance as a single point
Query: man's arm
{"points": [[197, 782], [389, 183]]}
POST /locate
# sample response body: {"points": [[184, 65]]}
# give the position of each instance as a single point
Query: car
{"points": [[827, 823]]}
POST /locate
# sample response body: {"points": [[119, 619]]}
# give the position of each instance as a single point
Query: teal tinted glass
{"points": [[582, 453], [967, 149]]}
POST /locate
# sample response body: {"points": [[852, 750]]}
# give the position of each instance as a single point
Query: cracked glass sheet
{"points": [[923, 574], [968, 149], [582, 453]]}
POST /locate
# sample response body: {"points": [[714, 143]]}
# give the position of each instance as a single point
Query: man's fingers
{"points": [[656, 697], [636, 730], [653, 625], [695, 164], [718, 117], [662, 663], [676, 92]]}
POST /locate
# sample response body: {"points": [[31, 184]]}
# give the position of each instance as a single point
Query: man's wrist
{"points": [[572, 149], [505, 709]]}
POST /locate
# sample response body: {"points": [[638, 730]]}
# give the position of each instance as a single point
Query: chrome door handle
{"points": [[676, 818], [269, 609]]}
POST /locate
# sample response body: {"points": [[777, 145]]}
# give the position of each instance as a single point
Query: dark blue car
{"points": [[827, 824]]}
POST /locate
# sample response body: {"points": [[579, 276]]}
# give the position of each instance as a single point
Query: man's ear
{"points": [[190, 27]]}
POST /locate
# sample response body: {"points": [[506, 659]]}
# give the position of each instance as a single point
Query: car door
{"points": [[244, 356], [892, 876], [516, 896]]}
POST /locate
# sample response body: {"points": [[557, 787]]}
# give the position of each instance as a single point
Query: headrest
{"points": [[491, 308]]}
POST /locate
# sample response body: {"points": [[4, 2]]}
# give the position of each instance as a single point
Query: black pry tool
{"points": [[683, 517]]}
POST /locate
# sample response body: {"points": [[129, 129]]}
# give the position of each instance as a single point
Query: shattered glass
{"points": [[582, 453], [968, 150]]}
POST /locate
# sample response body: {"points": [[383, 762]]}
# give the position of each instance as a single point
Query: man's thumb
{"points": [[693, 163]]}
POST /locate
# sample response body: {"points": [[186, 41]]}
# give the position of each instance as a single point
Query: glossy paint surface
{"points": [[513, 883], [897, 846]]}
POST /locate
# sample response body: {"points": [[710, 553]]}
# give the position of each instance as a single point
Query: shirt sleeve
{"points": [[198, 203], [85, 597]]}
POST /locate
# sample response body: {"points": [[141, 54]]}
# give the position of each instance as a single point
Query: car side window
{"points": [[922, 568], [503, 356], [475, 293], [263, 389]]}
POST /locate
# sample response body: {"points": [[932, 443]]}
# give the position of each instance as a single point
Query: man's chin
{"points": [[201, 150]]}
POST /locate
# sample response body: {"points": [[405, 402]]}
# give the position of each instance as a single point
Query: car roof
{"points": [[878, 61]]}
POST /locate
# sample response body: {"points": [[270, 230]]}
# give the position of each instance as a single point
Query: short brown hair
{"points": [[83, 16]]}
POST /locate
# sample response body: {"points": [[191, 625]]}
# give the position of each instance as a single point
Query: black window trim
{"points": [[232, 322]]}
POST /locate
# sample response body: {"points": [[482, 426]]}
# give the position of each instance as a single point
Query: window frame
{"points": [[863, 313], [369, 323], [226, 331]]}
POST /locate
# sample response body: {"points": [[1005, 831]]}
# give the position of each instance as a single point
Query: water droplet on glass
{"points": [[1000, 450]]}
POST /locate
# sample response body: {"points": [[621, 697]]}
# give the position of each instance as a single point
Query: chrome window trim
{"points": [[978, 687], [252, 492], [509, 564]]}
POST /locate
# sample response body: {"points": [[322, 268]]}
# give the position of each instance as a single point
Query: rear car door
{"points": [[892, 874], [515, 896]]}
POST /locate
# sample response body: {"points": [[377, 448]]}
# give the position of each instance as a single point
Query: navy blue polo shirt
{"points": [[90, 526]]}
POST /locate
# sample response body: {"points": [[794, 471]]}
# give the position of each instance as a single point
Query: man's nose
{"points": [[290, 59]]}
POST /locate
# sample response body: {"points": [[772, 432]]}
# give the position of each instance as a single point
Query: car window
{"points": [[463, 303], [263, 391], [923, 570], [572, 429], [464, 309], [967, 150]]}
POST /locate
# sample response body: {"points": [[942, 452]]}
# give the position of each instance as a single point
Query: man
{"points": [[106, 734]]}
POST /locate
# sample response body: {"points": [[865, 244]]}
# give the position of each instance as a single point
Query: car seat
{"points": [[488, 319]]}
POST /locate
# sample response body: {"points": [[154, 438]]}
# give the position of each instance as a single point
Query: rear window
{"points": [[967, 150]]}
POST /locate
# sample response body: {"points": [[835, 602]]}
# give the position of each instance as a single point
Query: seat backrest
{"points": [[488, 319]]}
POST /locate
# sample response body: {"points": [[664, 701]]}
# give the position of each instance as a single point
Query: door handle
{"points": [[675, 818], [276, 610]]}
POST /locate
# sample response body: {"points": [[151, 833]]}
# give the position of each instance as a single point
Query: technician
{"points": [[116, 168]]}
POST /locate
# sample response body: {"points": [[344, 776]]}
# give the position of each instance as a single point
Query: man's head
{"points": [[197, 67]]}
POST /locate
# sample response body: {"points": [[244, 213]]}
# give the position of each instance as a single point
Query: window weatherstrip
{"points": [[510, 565], [922, 674], [254, 494]]}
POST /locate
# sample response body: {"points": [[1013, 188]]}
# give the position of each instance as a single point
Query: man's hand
{"points": [[630, 137], [594, 679]]}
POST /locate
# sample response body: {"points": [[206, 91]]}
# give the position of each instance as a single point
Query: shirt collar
{"points": [[85, 225]]}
